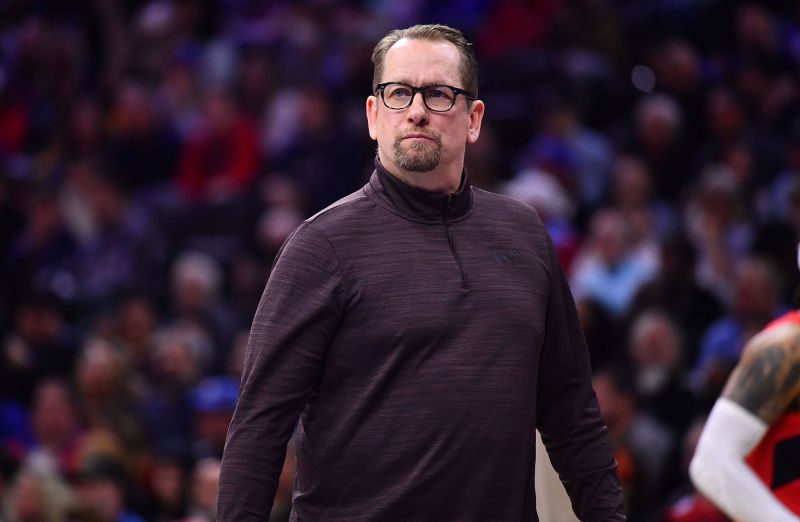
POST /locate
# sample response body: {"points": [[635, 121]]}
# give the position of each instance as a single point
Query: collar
{"points": [[417, 204]]}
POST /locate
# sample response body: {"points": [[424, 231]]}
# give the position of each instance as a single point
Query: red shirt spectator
{"points": [[221, 160]]}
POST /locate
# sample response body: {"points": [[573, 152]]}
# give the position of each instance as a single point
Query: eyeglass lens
{"points": [[436, 97]]}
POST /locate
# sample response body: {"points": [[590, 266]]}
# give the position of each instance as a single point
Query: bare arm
{"points": [[767, 379], [763, 385]]}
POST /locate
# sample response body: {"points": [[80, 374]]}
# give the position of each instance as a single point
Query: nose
{"points": [[417, 113]]}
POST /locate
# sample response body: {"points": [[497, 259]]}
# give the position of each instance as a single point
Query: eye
{"points": [[438, 93], [398, 91]]}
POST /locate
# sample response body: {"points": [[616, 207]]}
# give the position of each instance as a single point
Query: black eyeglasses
{"points": [[437, 98]]}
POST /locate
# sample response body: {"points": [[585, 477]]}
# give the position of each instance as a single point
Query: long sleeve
{"points": [[568, 415], [295, 323]]}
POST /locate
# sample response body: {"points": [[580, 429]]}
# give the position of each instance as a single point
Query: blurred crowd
{"points": [[155, 154]]}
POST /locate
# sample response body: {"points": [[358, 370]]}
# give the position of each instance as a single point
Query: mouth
{"points": [[419, 137]]}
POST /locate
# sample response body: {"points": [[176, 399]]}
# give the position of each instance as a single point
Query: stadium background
{"points": [[154, 155]]}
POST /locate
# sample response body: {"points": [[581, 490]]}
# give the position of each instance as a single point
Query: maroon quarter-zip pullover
{"points": [[421, 339]]}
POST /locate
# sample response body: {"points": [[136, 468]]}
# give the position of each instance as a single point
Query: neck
{"points": [[444, 179]]}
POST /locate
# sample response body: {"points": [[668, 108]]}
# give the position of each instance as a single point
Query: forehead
{"points": [[422, 62]]}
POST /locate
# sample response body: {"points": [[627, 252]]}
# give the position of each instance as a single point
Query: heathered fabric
{"points": [[420, 338]]}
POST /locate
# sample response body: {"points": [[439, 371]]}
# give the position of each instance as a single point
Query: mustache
{"points": [[423, 132]]}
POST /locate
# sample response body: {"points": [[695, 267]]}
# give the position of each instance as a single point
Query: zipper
{"points": [[452, 244]]}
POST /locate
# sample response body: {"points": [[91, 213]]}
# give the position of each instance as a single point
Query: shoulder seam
{"points": [[352, 198], [320, 231]]}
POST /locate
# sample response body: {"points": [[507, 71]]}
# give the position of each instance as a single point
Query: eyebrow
{"points": [[426, 84]]}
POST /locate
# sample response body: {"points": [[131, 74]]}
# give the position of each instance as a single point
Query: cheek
{"points": [[386, 131], [454, 137]]}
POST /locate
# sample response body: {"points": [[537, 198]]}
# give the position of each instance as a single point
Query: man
{"points": [[421, 330], [748, 458]]}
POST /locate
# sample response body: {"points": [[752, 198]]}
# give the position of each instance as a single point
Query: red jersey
{"points": [[776, 458]]}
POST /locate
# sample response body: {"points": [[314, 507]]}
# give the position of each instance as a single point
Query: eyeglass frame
{"points": [[414, 90]]}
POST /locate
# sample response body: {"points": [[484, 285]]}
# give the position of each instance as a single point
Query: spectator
{"points": [[40, 345], [662, 387], [543, 192], [756, 302], [658, 124], [168, 487], [124, 254], [320, 160], [102, 486], [105, 393], [136, 331], [181, 356], [607, 267], [142, 148], [632, 194], [676, 291], [197, 300], [221, 159], [56, 429], [213, 402], [38, 258], [205, 489], [642, 445], [656, 349], [579, 157], [37, 495], [719, 229]]}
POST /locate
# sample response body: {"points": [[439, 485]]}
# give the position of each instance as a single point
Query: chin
{"points": [[419, 160]]}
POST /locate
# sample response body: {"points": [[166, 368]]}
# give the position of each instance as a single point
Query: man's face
{"points": [[416, 141]]}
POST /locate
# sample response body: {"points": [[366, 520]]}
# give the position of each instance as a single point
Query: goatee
{"points": [[418, 156]]}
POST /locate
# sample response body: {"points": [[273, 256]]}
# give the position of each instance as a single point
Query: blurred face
{"points": [[754, 296], [137, 321], [191, 295], [175, 361], [615, 407], [53, 417], [656, 345], [608, 233], [133, 110], [212, 426], [422, 147], [26, 503], [655, 352], [102, 496], [631, 183], [220, 113], [86, 121], [38, 325], [107, 202], [725, 116], [98, 371], [205, 484], [168, 483]]}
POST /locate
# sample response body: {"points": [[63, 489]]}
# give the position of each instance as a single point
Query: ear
{"points": [[475, 117], [372, 116]]}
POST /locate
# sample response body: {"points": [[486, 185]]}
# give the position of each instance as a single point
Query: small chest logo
{"points": [[507, 257]]}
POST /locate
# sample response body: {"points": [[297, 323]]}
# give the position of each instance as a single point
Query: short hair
{"points": [[433, 32]]}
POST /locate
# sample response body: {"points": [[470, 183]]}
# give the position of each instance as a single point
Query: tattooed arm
{"points": [[766, 382], [763, 385]]}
